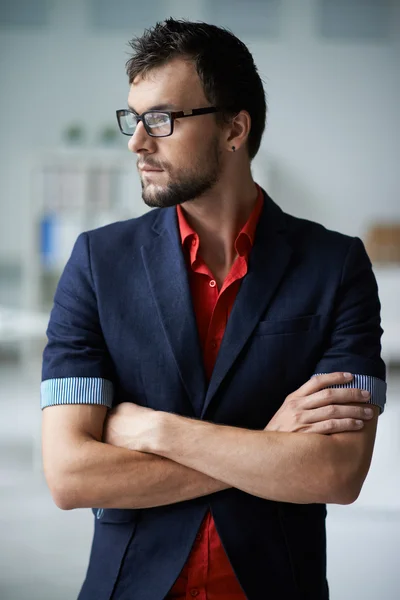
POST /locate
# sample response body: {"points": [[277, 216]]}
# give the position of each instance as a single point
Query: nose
{"points": [[141, 141]]}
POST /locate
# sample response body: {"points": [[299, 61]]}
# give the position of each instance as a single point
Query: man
{"points": [[201, 325]]}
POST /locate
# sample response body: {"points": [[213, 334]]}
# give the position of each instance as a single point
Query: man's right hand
{"points": [[315, 409]]}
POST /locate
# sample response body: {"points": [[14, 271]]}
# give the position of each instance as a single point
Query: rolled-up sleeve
{"points": [[355, 342], [77, 368]]}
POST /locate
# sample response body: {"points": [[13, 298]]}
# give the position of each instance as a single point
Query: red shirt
{"points": [[207, 574]]}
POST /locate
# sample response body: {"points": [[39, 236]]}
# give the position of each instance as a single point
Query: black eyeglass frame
{"points": [[181, 114]]}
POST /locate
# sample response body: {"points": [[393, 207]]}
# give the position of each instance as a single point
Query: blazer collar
{"points": [[167, 274]]}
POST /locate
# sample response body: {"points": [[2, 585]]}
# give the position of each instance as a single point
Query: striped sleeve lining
{"points": [[76, 390], [376, 387]]}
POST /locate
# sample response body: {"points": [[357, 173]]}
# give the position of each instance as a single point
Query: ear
{"points": [[238, 131]]}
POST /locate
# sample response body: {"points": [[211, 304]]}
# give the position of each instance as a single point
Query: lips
{"points": [[149, 168]]}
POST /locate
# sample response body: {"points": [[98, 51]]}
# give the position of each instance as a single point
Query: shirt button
{"points": [[212, 283], [194, 593], [198, 537]]}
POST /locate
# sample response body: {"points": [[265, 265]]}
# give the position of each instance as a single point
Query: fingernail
{"points": [[365, 394], [359, 423], [368, 411], [347, 375]]}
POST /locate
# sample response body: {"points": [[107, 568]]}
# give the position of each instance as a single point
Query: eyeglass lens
{"points": [[158, 123]]}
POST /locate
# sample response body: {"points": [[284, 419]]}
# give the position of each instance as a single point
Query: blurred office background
{"points": [[330, 153]]}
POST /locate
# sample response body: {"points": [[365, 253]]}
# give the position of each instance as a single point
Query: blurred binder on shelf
{"points": [[383, 243]]}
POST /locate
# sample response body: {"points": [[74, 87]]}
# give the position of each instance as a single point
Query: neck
{"points": [[219, 216]]}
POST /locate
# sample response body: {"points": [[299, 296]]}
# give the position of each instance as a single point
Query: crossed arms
{"points": [[311, 451]]}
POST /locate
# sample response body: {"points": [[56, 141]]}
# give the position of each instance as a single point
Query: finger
{"points": [[334, 426], [336, 411], [335, 396], [319, 382]]}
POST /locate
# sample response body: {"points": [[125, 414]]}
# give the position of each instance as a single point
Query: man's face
{"points": [[186, 164]]}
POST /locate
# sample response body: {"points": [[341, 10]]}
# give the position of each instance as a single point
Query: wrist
{"points": [[170, 431], [157, 443]]}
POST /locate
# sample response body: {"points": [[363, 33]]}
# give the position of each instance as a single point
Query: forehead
{"points": [[175, 84]]}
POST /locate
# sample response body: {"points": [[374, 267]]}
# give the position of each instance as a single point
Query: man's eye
{"points": [[155, 120]]}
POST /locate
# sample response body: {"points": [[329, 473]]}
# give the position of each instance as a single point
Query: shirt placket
{"points": [[220, 314], [197, 576]]}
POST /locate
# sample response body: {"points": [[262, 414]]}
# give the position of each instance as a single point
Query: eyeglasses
{"points": [[157, 123]]}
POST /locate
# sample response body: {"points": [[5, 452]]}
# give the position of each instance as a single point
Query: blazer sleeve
{"points": [[355, 342], [76, 368]]}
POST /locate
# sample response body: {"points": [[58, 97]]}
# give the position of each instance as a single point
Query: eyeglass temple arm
{"points": [[193, 112]]}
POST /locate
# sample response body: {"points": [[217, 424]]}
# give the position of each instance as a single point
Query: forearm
{"points": [[105, 476], [288, 467]]}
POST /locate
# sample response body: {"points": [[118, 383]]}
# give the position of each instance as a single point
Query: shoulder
{"points": [[316, 249], [304, 235], [124, 235], [315, 241], [316, 235]]}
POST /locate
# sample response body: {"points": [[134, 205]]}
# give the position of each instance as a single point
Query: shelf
{"points": [[74, 189]]}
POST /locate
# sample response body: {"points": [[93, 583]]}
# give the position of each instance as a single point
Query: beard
{"points": [[188, 184]]}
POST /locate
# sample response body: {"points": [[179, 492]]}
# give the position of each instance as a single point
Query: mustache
{"points": [[149, 163]]}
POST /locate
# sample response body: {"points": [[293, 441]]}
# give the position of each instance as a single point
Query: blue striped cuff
{"points": [[76, 390], [376, 387]]}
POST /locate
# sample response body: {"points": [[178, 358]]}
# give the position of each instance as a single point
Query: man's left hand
{"points": [[131, 426]]}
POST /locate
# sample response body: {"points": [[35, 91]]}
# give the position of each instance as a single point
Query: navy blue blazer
{"points": [[123, 329]]}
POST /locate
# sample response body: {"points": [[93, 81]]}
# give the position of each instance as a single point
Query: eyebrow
{"points": [[156, 107]]}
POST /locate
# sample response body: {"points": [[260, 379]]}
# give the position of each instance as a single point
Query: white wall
{"points": [[334, 127], [333, 137]]}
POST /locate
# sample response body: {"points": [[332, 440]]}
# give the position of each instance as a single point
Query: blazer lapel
{"points": [[268, 261], [167, 274]]}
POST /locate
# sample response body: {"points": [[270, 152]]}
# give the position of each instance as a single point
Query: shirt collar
{"points": [[248, 231], [244, 240]]}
